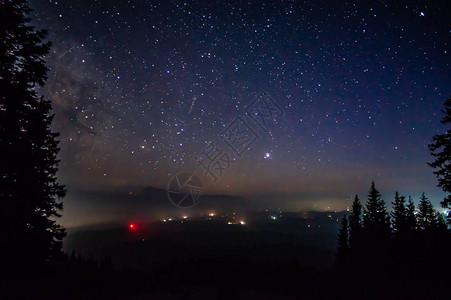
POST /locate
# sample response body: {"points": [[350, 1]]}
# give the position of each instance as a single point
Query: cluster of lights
{"points": [[211, 214], [241, 223]]}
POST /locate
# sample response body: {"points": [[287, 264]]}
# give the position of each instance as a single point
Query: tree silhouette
{"points": [[407, 262], [440, 148], [375, 217], [355, 222], [441, 224], [411, 219], [342, 256], [28, 166], [426, 215], [399, 214], [342, 245], [343, 238]]}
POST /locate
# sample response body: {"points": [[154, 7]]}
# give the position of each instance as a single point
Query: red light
{"points": [[132, 226]]}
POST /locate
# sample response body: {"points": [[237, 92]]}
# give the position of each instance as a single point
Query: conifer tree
{"points": [[375, 217], [440, 148], [411, 220], [343, 255], [441, 223], [343, 240], [399, 214], [426, 214], [355, 222], [28, 165]]}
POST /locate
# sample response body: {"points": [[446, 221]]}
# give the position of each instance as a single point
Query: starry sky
{"points": [[143, 90]]}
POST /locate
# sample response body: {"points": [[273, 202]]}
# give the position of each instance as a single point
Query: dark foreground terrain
{"points": [[195, 259], [286, 258]]}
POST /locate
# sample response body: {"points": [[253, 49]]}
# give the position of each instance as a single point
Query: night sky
{"points": [[141, 88]]}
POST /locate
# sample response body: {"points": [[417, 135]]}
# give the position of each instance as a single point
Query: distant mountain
{"points": [[138, 204], [159, 198]]}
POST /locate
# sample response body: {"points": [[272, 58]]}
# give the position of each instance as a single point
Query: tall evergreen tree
{"points": [[411, 219], [343, 240], [441, 224], [426, 214], [399, 214], [355, 222], [440, 148], [342, 256], [375, 217], [29, 190]]}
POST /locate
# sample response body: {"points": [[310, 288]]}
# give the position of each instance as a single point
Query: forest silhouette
{"points": [[391, 255], [380, 254]]}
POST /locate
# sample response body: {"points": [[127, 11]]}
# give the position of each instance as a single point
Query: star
{"points": [[150, 76]]}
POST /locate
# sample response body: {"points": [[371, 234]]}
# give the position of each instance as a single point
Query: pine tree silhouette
{"points": [[399, 214], [355, 222], [375, 217], [28, 164], [441, 223], [440, 148], [106, 264], [411, 219], [342, 258], [343, 239], [375, 238], [426, 214], [342, 245], [407, 262]]}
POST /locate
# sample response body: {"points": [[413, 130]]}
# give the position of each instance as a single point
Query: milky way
{"points": [[140, 88]]}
